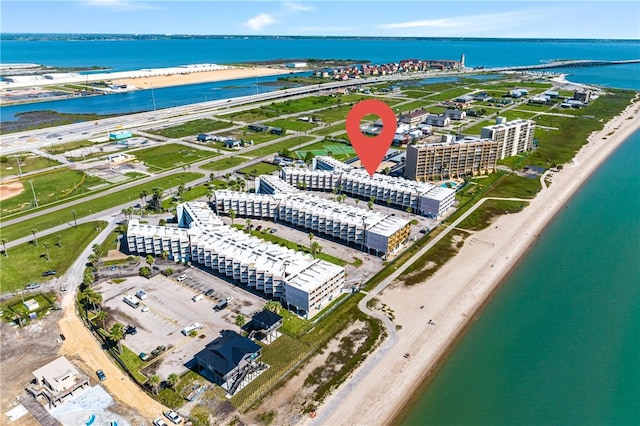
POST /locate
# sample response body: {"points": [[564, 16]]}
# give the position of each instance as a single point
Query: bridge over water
{"points": [[571, 64]]}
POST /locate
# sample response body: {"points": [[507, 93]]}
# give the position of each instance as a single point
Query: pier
{"points": [[569, 64]]}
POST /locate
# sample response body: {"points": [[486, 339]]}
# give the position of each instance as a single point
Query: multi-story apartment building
{"points": [[450, 158], [414, 117], [516, 136], [298, 280]]}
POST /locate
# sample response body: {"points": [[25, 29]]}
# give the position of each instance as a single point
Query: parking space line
{"points": [[161, 315], [168, 352]]}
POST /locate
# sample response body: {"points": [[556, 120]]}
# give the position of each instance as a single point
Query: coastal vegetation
{"points": [[191, 128], [488, 211], [172, 155], [32, 120]]}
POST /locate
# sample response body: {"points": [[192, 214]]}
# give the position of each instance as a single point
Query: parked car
{"points": [[64, 287], [159, 422], [101, 375], [182, 277], [32, 286], [143, 356], [259, 227], [273, 230], [209, 292], [173, 416], [228, 299], [48, 273], [113, 267], [157, 351], [131, 330], [145, 309]]}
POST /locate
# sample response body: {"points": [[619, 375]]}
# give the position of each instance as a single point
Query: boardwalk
{"points": [[38, 411]]}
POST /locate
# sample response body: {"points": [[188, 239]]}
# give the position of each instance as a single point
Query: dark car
{"points": [[273, 230], [209, 292], [113, 267], [259, 227], [32, 286], [101, 375], [48, 273], [130, 330]]}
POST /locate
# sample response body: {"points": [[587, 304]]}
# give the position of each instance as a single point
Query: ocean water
{"points": [[559, 344]]}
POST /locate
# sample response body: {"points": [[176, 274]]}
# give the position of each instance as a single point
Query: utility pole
{"points": [[35, 200], [153, 99], [73, 212], [19, 168]]}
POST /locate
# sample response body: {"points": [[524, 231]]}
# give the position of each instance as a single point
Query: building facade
{"points": [[516, 136], [451, 159], [438, 120]]}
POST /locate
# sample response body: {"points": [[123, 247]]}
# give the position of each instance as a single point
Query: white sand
{"points": [[459, 289], [200, 77]]}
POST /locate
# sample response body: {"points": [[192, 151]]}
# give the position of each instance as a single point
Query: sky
{"points": [[500, 19]]}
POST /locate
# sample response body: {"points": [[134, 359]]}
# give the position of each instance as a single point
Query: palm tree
{"points": [[315, 248], [157, 199], [60, 241], [144, 194], [164, 255], [172, 379], [116, 334], [4, 246], [370, 204], [46, 250], [93, 298], [273, 306], [356, 200], [154, 382], [209, 193], [35, 238], [249, 225], [97, 250], [388, 204], [101, 316], [232, 215], [311, 237]]}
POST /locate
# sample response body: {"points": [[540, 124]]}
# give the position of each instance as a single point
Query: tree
{"points": [[232, 215], [249, 224], [308, 157], [92, 298], [150, 259], [273, 306], [167, 272], [101, 316], [35, 237], [154, 382], [315, 248], [162, 222], [116, 334], [156, 200], [387, 171], [311, 237], [370, 204], [59, 240], [4, 246], [356, 200], [145, 271], [97, 250], [172, 380], [181, 189], [164, 255], [46, 250], [209, 193], [409, 209], [388, 204], [241, 320]]}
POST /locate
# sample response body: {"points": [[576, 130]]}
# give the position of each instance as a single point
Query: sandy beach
{"points": [[458, 290], [200, 77]]}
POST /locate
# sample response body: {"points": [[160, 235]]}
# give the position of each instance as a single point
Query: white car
{"points": [[145, 309], [182, 277], [228, 299], [159, 422], [173, 416], [64, 287]]}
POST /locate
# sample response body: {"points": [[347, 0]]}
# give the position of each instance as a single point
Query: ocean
{"points": [[559, 343]]}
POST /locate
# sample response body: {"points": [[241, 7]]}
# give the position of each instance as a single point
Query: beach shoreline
{"points": [[460, 289], [172, 80]]}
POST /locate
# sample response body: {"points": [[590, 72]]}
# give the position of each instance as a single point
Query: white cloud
{"points": [[297, 7], [119, 4], [260, 21], [476, 22]]}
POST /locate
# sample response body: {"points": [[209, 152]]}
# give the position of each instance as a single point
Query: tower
{"points": [[462, 61]]}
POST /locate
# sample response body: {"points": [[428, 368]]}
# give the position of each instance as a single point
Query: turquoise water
{"points": [[559, 344]]}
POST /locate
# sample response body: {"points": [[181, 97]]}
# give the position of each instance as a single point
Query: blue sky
{"points": [[540, 19]]}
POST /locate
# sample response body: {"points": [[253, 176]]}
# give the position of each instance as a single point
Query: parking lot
{"points": [[171, 308]]}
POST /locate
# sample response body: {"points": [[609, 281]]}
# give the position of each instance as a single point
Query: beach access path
{"points": [[385, 382]]}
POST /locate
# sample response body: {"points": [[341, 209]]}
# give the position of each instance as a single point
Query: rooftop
{"points": [[227, 351]]}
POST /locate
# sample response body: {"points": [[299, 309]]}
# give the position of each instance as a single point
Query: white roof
{"points": [[333, 162], [55, 371], [135, 227], [439, 193], [278, 184], [390, 182]]}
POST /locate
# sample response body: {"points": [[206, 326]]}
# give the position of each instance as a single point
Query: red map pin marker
{"points": [[371, 150]]}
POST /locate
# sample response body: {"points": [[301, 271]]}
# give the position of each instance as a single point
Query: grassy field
{"points": [[339, 151], [290, 144], [225, 163], [512, 185], [259, 169], [515, 162], [325, 131], [28, 163], [14, 308], [194, 127], [49, 187], [190, 194], [171, 155], [115, 198], [334, 114], [411, 106], [534, 107], [551, 120], [487, 212], [514, 115], [69, 146], [292, 124], [26, 262], [476, 129], [449, 94]]}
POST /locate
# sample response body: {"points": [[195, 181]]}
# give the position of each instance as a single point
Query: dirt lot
{"points": [[10, 189], [171, 308]]}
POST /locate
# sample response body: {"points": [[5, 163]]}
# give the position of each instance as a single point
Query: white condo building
{"points": [[298, 280], [422, 197], [516, 136]]}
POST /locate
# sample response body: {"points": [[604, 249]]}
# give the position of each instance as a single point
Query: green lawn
{"points": [[171, 155], [337, 113], [256, 137], [551, 120], [325, 131], [259, 169], [476, 129], [512, 185], [49, 187], [194, 127], [14, 308], [225, 163], [190, 194], [339, 151], [115, 198], [69, 146], [411, 106], [511, 115], [449, 94], [292, 124], [28, 163], [289, 144], [515, 162], [534, 107], [488, 211], [26, 262]]}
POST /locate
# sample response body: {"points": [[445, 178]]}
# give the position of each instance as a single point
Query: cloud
{"points": [[483, 22], [297, 7], [260, 21], [119, 4]]}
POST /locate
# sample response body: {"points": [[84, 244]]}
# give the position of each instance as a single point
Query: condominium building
{"points": [[455, 114], [396, 191], [298, 280], [516, 136], [438, 120], [325, 162], [414, 117], [358, 227], [450, 158], [270, 184]]}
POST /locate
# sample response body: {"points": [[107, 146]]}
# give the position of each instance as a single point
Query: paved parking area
{"points": [[171, 308]]}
